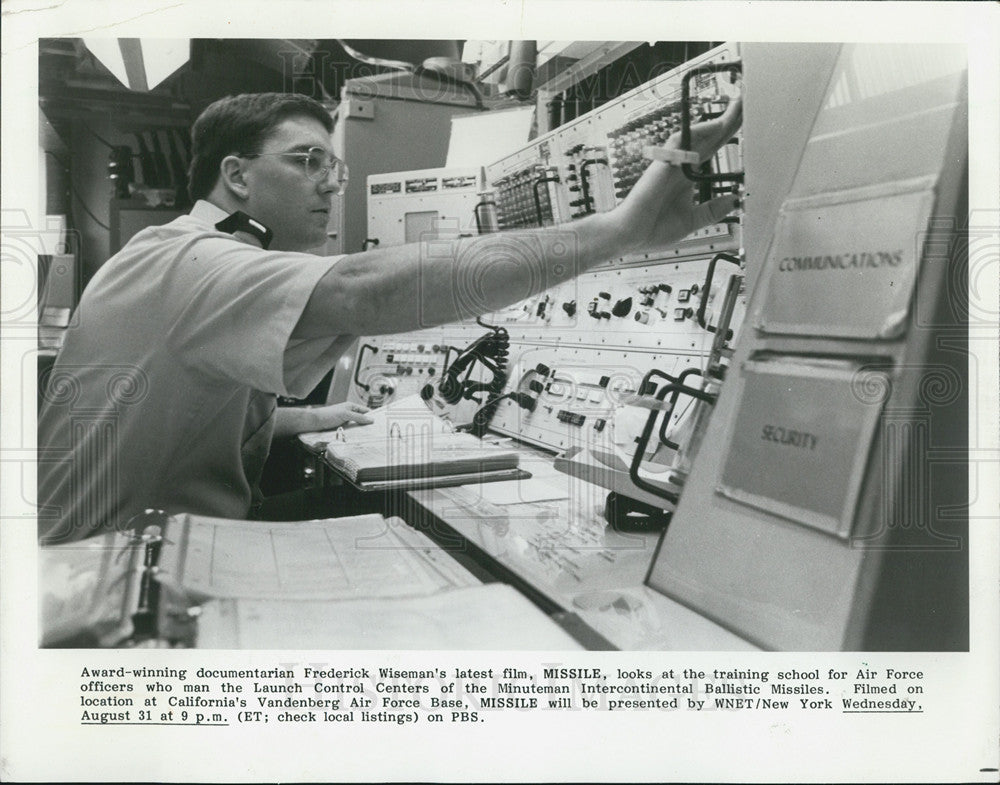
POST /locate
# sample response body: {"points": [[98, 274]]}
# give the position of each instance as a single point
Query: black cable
{"points": [[97, 136], [86, 209], [522, 399], [703, 304], [499, 348], [643, 441]]}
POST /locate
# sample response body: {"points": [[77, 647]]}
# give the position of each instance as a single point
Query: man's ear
{"points": [[231, 175]]}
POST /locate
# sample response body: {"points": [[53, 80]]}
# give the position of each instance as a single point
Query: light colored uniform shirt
{"points": [[164, 393]]}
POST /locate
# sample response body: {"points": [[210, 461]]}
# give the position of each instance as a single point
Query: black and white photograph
{"points": [[459, 385]]}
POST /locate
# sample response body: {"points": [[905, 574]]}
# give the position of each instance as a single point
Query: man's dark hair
{"points": [[240, 124]]}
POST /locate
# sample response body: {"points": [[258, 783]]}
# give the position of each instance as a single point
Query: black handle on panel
{"points": [[643, 441], [689, 171], [361, 354], [708, 284], [673, 403]]}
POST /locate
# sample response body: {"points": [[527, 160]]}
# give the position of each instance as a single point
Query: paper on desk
{"points": [[541, 468], [522, 491], [492, 616], [359, 556]]}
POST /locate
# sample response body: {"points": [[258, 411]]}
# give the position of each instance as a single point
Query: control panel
{"points": [[578, 352], [812, 479], [581, 350], [423, 205], [390, 367], [590, 165], [580, 358], [416, 206]]}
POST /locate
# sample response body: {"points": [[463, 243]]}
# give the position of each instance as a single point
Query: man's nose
{"points": [[328, 183]]}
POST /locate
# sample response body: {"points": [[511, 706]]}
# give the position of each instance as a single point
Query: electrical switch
{"points": [[622, 307]]}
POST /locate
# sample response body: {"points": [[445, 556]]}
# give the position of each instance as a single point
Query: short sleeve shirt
{"points": [[164, 393]]}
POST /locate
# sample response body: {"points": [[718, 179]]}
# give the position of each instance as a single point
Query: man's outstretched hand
{"points": [[659, 210]]}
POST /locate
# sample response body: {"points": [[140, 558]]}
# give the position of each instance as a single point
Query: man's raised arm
{"points": [[403, 288]]}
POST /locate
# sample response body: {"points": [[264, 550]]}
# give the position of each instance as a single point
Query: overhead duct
{"points": [[520, 79]]}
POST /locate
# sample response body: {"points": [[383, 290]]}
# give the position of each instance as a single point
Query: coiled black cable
{"points": [[498, 349]]}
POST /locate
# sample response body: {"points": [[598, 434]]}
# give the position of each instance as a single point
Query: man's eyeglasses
{"points": [[316, 162]]}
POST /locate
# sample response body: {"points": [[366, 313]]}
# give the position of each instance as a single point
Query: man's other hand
{"points": [[339, 414], [293, 420]]}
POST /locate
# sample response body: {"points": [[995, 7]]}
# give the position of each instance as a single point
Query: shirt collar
{"points": [[207, 212], [213, 216]]}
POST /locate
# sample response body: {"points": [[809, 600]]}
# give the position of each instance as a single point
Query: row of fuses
{"points": [[523, 200], [414, 347], [629, 141], [412, 359]]}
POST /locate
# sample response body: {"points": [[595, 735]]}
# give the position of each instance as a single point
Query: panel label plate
{"points": [[845, 265], [800, 443], [378, 189], [421, 185]]}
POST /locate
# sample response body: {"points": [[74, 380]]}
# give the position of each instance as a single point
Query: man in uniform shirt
{"points": [[164, 394]]}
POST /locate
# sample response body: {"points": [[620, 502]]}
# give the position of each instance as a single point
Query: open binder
{"points": [[408, 448], [358, 582]]}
